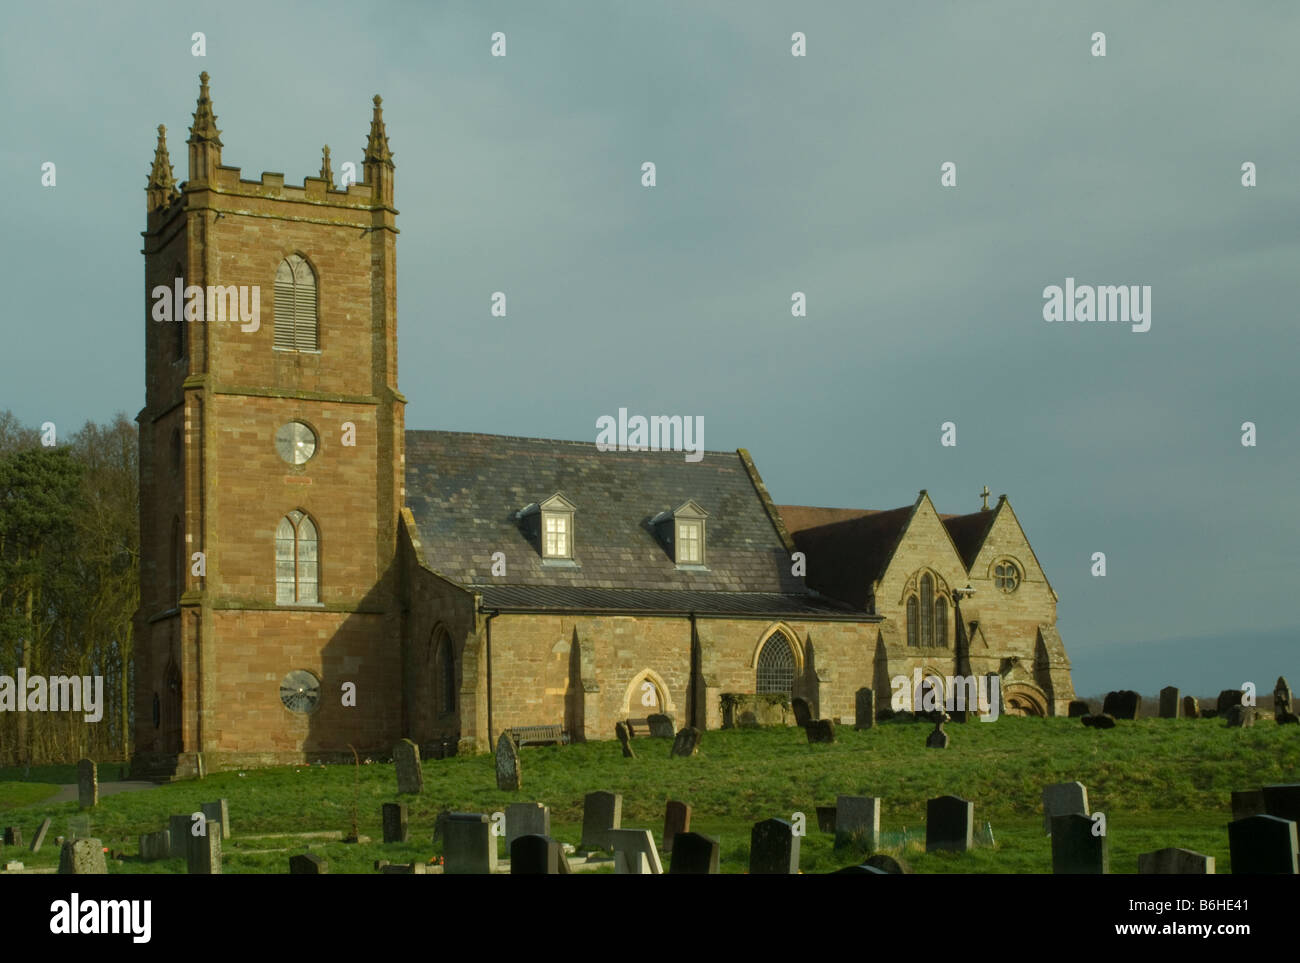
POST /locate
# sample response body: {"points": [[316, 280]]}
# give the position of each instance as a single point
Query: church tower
{"points": [[271, 462]]}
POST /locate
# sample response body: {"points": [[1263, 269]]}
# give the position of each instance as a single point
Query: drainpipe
{"points": [[487, 625]]}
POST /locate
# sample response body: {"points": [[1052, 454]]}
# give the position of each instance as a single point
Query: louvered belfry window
{"points": [[296, 328]]}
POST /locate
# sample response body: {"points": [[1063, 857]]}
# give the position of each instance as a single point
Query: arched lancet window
{"points": [[941, 621], [913, 627], [927, 610], [447, 672], [295, 306], [295, 560], [776, 666]]}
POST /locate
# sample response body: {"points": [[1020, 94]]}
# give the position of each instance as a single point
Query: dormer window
{"points": [[556, 527], [682, 531], [690, 542]]}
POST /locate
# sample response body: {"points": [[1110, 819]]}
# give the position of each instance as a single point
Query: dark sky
{"points": [[776, 174]]}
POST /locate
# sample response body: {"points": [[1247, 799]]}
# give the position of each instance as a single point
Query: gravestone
{"points": [[1249, 802], [677, 819], [687, 743], [13, 836], [203, 853], [1227, 699], [526, 819], [601, 812], [863, 870], [509, 777], [889, 864], [695, 854], [395, 823], [1241, 717], [865, 708], [405, 869], [533, 854], [858, 817], [1102, 721], [826, 818], [635, 853], [40, 835], [1283, 801], [1209, 713], [410, 774], [1281, 696], [1075, 849], [1124, 704], [773, 848], [87, 784], [308, 864], [820, 730], [218, 812], [468, 845], [82, 857], [661, 726], [949, 824], [179, 831], [155, 846], [1173, 861], [938, 739], [1063, 799], [1262, 845], [1078, 708], [802, 711], [1191, 707], [1170, 705], [624, 739]]}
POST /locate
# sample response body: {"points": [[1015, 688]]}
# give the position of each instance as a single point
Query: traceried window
{"points": [[296, 566], [296, 326], [927, 615], [1006, 576], [927, 610], [775, 666]]}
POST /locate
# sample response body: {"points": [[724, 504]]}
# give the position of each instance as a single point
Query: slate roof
{"points": [[968, 532], [847, 549], [464, 490]]}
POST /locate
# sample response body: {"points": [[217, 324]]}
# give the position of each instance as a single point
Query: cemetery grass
{"points": [[1159, 782]]}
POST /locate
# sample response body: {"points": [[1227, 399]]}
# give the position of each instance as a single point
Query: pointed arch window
{"points": [[927, 609], [776, 666], [913, 622], [447, 672], [941, 622], [296, 564], [296, 327]]}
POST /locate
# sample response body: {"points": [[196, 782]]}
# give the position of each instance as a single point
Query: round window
{"points": [[295, 442], [300, 691]]}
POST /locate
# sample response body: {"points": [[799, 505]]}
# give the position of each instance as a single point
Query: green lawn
{"points": [[1160, 783]]}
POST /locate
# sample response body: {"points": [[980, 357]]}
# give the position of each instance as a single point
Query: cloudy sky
{"points": [[776, 174]]}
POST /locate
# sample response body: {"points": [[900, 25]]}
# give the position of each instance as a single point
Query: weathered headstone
{"points": [[888, 863], [203, 853], [40, 835], [1191, 707], [858, 817], [1101, 721], [661, 726], [82, 857], [410, 774], [536, 855], [820, 730], [1078, 708], [695, 854], [218, 812], [1248, 802], [13, 836], [155, 846], [179, 831], [949, 824], [1062, 799], [624, 739], [687, 742], [1227, 699], [1241, 717], [405, 869], [308, 864], [87, 784], [1281, 695], [1170, 705], [677, 819], [1124, 704], [1076, 848], [395, 823], [1173, 861], [826, 818], [526, 819], [468, 844], [862, 870], [635, 853], [802, 711], [865, 708], [937, 739], [1283, 801], [509, 778], [1262, 845], [773, 848], [601, 812]]}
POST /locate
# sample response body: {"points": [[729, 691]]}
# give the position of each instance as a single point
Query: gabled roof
{"points": [[969, 531], [847, 549], [464, 491]]}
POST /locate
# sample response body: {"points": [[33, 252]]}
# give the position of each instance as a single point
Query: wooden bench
{"points": [[537, 735]]}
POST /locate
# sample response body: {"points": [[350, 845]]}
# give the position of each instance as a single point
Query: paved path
{"points": [[69, 793]]}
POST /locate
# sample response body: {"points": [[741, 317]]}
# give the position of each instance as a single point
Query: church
{"points": [[314, 576]]}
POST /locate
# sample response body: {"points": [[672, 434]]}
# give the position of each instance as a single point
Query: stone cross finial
{"points": [[985, 495], [326, 173]]}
